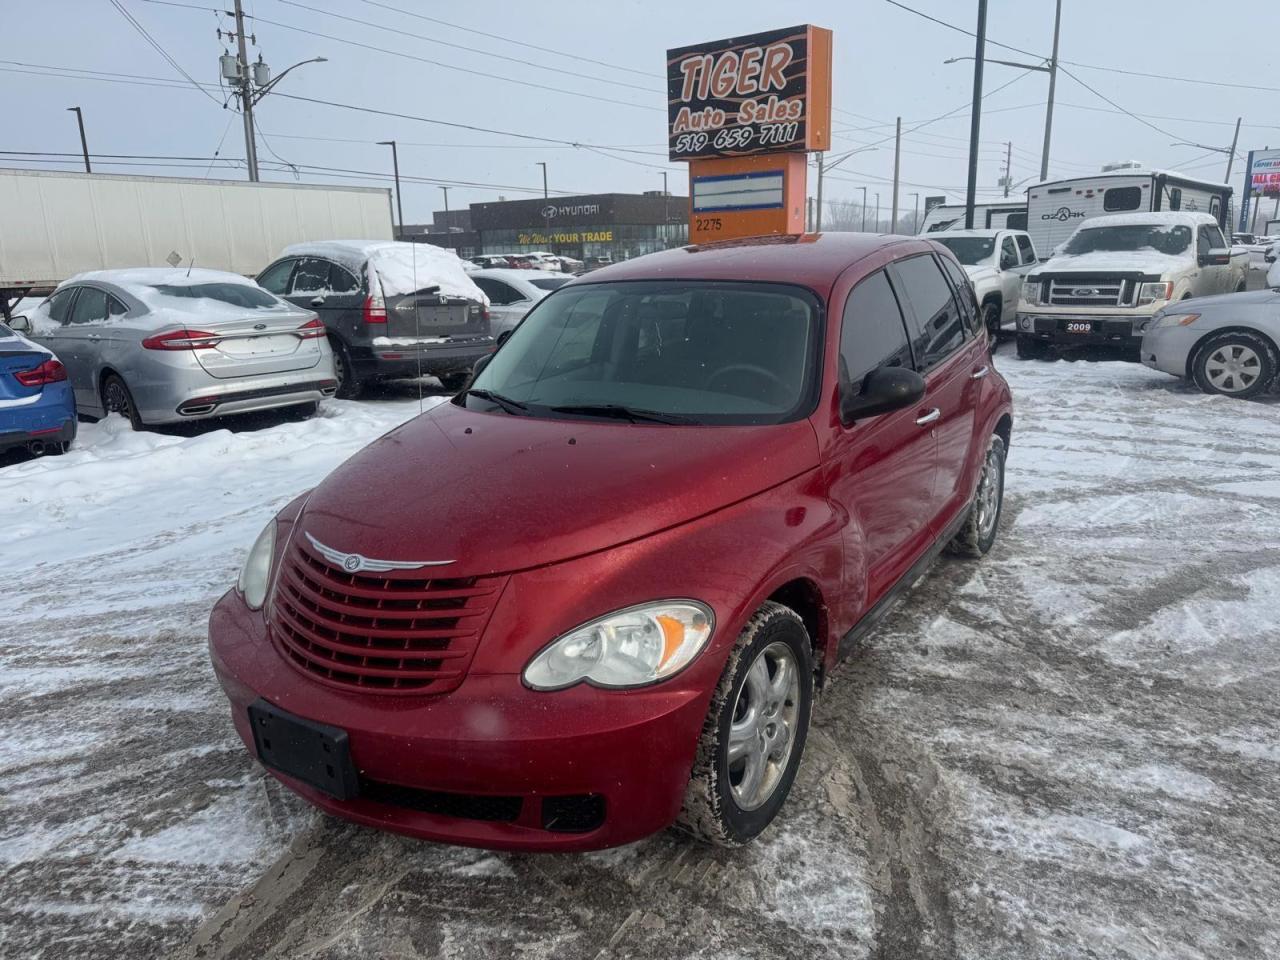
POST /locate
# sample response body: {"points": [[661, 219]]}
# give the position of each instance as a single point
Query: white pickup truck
{"points": [[997, 261], [1112, 274]]}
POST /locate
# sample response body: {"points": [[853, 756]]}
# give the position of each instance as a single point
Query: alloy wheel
{"points": [[762, 731], [988, 499], [1232, 367], [117, 398]]}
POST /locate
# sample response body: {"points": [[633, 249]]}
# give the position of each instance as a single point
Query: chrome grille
{"points": [[1088, 291]]}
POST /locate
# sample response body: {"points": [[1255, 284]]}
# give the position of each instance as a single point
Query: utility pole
{"points": [[975, 118], [544, 178], [864, 209], [1008, 166], [809, 219], [447, 228], [915, 222], [1231, 154], [395, 166], [817, 220], [1053, 81], [84, 144], [897, 156], [246, 97], [877, 223], [666, 211]]}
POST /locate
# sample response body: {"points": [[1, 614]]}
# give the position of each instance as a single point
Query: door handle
{"points": [[979, 373], [318, 302], [928, 418], [94, 336]]}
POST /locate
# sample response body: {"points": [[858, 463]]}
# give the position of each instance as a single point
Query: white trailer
{"points": [[1007, 215], [55, 225], [1056, 207]]}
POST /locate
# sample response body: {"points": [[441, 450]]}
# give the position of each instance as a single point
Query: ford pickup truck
{"points": [[996, 261], [1103, 285]]}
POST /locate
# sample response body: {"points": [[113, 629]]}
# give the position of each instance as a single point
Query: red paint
{"points": [[567, 521]]}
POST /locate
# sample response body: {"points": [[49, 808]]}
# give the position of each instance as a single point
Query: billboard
{"points": [[763, 93], [1262, 179]]}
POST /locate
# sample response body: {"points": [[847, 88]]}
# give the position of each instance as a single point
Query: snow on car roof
{"points": [[159, 276], [1164, 218], [399, 267], [975, 232]]}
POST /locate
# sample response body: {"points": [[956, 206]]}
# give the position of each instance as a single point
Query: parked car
{"points": [[542, 260], [997, 262], [390, 309], [162, 345], [492, 262], [1114, 273], [569, 264], [1226, 344], [512, 292], [669, 501], [37, 405]]}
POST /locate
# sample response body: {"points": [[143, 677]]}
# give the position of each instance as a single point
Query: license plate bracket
{"points": [[315, 753]]}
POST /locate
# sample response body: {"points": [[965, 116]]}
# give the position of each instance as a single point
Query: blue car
{"points": [[37, 405]]}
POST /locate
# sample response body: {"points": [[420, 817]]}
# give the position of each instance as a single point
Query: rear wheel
{"points": [[979, 531], [755, 731], [1029, 348], [453, 382], [1236, 364], [116, 398], [349, 384]]}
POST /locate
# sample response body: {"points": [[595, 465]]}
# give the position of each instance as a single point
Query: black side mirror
{"points": [[19, 324], [884, 390], [503, 337], [1217, 257]]}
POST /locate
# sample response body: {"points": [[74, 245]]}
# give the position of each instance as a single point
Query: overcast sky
{"points": [[887, 63]]}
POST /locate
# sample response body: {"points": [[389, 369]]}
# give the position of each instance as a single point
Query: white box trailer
{"points": [[1056, 207], [55, 225], [1007, 215]]}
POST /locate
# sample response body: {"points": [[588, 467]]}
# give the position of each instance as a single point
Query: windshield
{"points": [[970, 250], [549, 283], [1162, 238], [236, 294], [702, 352]]}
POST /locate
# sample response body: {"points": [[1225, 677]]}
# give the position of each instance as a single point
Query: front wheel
{"points": [[978, 534], [1237, 364], [755, 731]]}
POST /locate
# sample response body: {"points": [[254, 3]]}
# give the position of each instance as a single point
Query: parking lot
{"points": [[1066, 750]]}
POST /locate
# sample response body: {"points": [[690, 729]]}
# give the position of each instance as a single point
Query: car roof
{"points": [[502, 273], [812, 260], [975, 232], [1165, 217]]}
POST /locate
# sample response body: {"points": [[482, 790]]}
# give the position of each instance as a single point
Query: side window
{"points": [[60, 305], [312, 276], [115, 308], [91, 306], [276, 279], [872, 333], [499, 293], [1122, 198], [1175, 198], [938, 327], [967, 299], [1203, 243], [1017, 221], [1026, 249], [341, 280], [1008, 254], [1216, 239]]}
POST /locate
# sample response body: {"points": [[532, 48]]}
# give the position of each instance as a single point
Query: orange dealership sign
{"points": [[764, 93]]}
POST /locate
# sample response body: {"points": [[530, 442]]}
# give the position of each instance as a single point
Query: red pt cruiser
{"points": [[595, 593]]}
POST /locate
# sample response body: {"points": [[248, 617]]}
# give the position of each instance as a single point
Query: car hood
{"points": [[1252, 298], [495, 493], [1105, 261]]}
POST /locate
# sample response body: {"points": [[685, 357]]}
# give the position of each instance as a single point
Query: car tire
{"points": [[729, 802], [1242, 286], [1029, 348], [1235, 364], [116, 398], [350, 385], [453, 382], [982, 524], [991, 312], [303, 411]]}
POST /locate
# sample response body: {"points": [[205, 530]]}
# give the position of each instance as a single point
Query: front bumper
{"points": [[1067, 329], [490, 745], [1168, 349]]}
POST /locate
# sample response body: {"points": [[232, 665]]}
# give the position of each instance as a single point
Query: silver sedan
{"points": [[166, 345], [1226, 344]]}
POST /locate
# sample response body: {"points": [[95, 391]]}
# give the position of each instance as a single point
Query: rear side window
{"points": [[115, 308], [499, 293], [1122, 198], [91, 306], [938, 327], [312, 276], [342, 280], [967, 299], [872, 333], [1027, 251], [276, 279]]}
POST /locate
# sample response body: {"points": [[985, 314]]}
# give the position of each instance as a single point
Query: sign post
{"points": [[744, 112]]}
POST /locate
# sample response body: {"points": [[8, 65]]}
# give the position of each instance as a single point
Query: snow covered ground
{"points": [[1068, 750]]}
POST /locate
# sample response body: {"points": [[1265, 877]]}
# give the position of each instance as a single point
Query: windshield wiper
{"points": [[618, 411], [514, 407]]}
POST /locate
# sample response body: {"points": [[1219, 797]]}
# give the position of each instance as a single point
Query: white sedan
{"points": [[513, 292]]}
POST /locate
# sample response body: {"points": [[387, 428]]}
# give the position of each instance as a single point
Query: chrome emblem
{"points": [[1084, 292], [355, 563], [259, 326]]}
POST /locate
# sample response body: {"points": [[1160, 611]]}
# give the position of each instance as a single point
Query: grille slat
{"points": [[393, 633], [1103, 291]]}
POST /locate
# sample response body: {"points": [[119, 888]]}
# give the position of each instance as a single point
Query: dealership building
{"points": [[610, 226]]}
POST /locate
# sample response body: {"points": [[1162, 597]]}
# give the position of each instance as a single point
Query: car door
{"points": [[881, 468], [91, 339], [1224, 280], [951, 359], [1010, 265]]}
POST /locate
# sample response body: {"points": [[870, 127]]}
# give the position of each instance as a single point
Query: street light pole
{"points": [[817, 219], [864, 209], [897, 152], [1053, 81], [876, 225], [544, 178], [84, 144], [975, 116], [395, 165], [915, 221], [666, 211]]}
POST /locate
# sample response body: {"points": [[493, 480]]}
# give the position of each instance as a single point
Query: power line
{"points": [[1129, 113], [129, 18], [959, 29]]}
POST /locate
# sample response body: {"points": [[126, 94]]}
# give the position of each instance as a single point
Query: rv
{"points": [[1056, 207], [1009, 215]]}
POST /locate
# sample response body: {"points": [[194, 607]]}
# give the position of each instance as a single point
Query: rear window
{"points": [[1122, 198], [236, 294], [549, 283]]}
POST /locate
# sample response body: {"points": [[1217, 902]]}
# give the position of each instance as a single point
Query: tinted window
{"points": [[115, 308], [276, 279], [1024, 247], [91, 306], [499, 293], [312, 276], [1122, 198], [1203, 243], [236, 294], [872, 333], [342, 280], [60, 304], [939, 326], [1008, 254], [1016, 221], [1175, 198], [1216, 238], [967, 299]]}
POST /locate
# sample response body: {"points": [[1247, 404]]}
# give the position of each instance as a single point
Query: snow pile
{"points": [[399, 268]]}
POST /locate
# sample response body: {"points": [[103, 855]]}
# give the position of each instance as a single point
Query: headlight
{"points": [[1151, 292], [1031, 291], [256, 573], [629, 648], [1174, 320]]}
